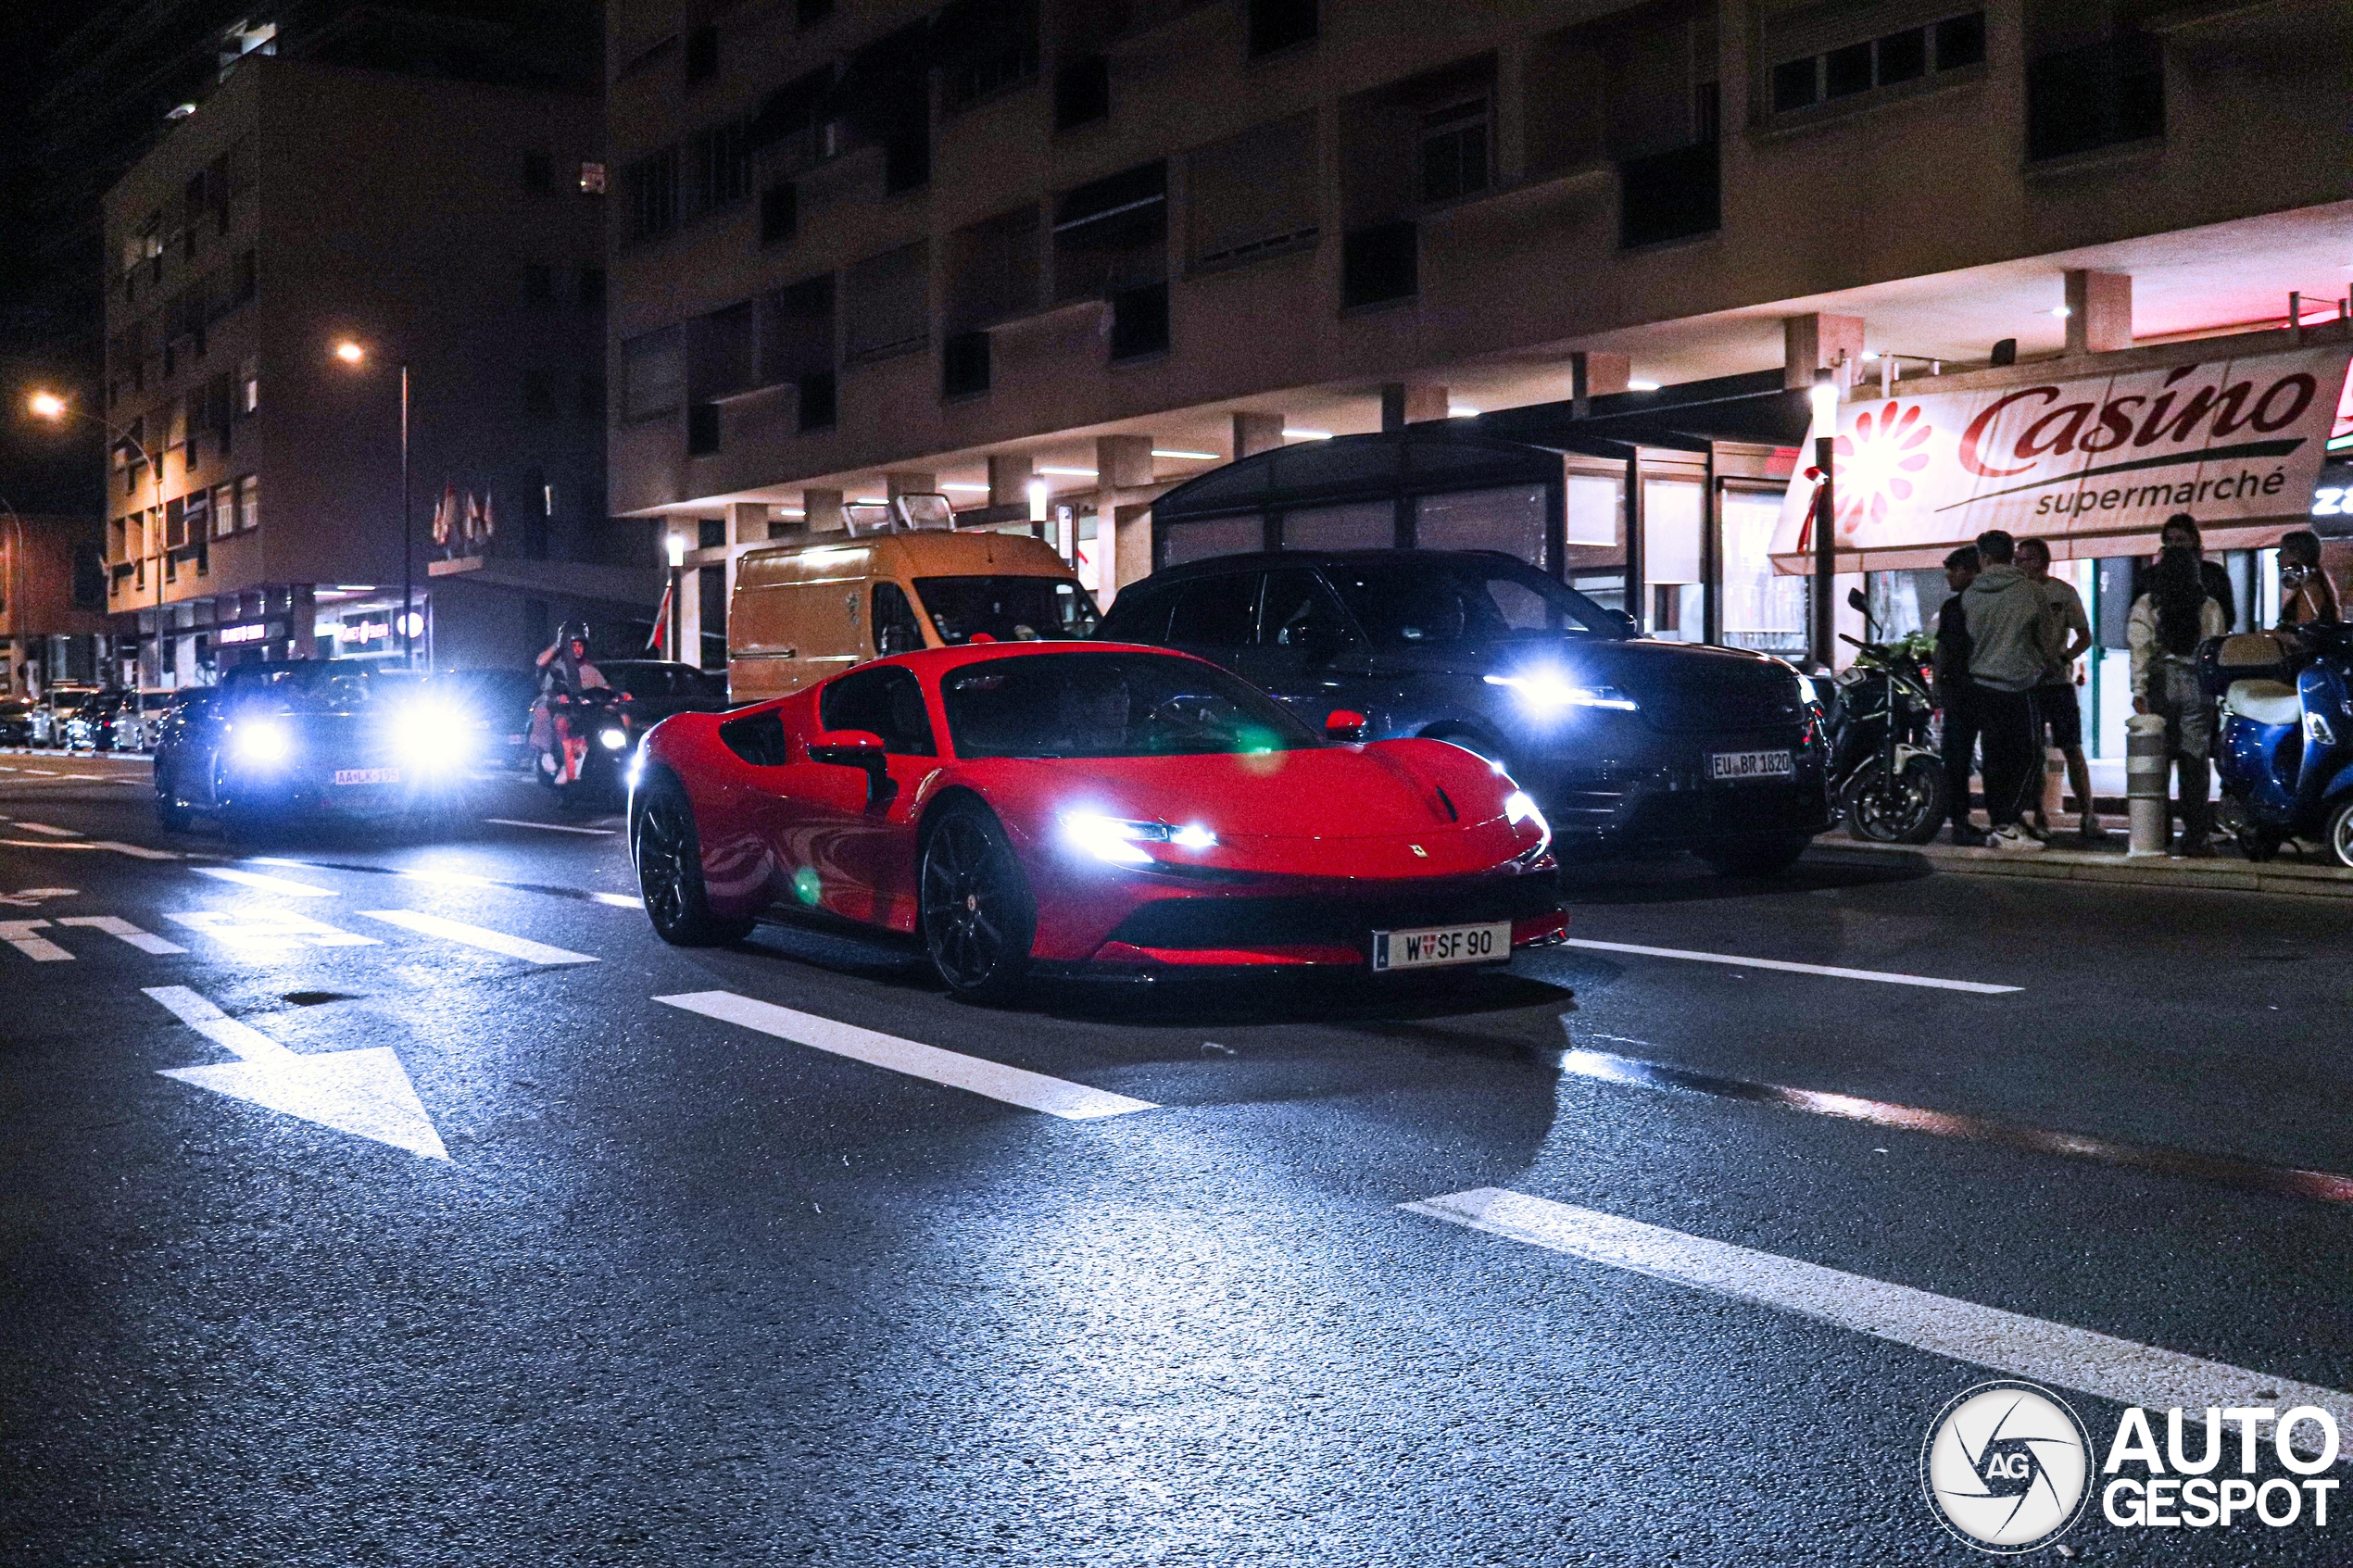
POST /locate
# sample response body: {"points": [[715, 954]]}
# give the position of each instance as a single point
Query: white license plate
{"points": [[367, 776], [1433, 945], [1727, 766]]}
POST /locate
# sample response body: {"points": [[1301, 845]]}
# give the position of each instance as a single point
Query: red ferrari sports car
{"points": [[1031, 806]]}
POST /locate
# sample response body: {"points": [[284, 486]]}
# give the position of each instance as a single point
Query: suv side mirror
{"points": [[1626, 625], [1345, 724]]}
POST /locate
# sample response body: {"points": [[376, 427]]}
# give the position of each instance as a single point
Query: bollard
{"points": [[2055, 784], [2144, 771]]}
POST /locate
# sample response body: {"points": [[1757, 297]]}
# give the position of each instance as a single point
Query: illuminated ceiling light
{"points": [[870, 500], [1066, 473], [2061, 311], [1037, 491], [1825, 394], [1641, 386], [1461, 411], [949, 484], [1184, 456], [1291, 434], [788, 511], [1870, 353]]}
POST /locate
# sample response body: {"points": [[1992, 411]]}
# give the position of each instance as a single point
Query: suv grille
{"points": [[1723, 695]]}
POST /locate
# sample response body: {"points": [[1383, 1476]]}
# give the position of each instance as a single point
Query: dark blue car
{"points": [[1625, 742]]}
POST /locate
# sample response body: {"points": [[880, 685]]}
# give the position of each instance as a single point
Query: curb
{"points": [[2064, 865]]}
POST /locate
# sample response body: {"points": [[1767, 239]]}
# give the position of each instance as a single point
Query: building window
{"points": [[718, 168], [1112, 233], [653, 194], [538, 283], [1852, 70], [2099, 96], [1082, 92], [702, 54], [964, 365], [538, 173], [779, 212], [592, 289], [249, 385], [1453, 150], [592, 179], [1275, 25], [248, 504], [702, 429], [224, 510], [653, 375], [1379, 264], [1140, 321], [981, 47], [885, 304]]}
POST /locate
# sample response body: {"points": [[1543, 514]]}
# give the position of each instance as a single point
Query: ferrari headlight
{"points": [[260, 741], [612, 740], [1113, 839], [1520, 806], [1549, 691]]}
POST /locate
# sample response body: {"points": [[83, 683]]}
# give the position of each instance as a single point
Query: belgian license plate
{"points": [[1433, 945], [367, 776], [1730, 767]]}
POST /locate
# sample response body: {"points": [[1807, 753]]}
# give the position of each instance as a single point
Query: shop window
{"points": [[1277, 25], [1761, 609], [1379, 264], [1510, 519], [1455, 151], [1364, 525], [1673, 513], [1082, 92], [1183, 542]]}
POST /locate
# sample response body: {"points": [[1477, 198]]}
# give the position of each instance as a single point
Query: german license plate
{"points": [[1730, 767], [367, 776], [1433, 945]]}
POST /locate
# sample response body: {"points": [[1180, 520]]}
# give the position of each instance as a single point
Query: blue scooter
{"points": [[2285, 743]]}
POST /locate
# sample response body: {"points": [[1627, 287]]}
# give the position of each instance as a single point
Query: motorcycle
{"points": [[583, 742], [2284, 744], [1879, 723]]}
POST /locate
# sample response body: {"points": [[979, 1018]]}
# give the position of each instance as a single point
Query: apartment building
{"points": [[297, 248], [52, 622], [1056, 258]]}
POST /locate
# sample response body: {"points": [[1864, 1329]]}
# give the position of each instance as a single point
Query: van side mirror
{"points": [[1345, 724]]}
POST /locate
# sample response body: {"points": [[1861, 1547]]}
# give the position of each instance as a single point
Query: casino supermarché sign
{"points": [[2229, 439]]}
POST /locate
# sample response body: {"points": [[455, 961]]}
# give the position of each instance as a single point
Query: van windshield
{"points": [[1007, 609]]}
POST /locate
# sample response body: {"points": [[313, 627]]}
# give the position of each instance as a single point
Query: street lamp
{"points": [[355, 354], [1824, 396], [50, 406]]}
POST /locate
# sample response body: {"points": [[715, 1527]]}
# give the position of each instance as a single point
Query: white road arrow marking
{"points": [[366, 1093], [274, 933], [115, 926], [1885, 977], [30, 898], [477, 936], [138, 851], [267, 884], [18, 934]]}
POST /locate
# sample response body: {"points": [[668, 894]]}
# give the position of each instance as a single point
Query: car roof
{"points": [[935, 662]]}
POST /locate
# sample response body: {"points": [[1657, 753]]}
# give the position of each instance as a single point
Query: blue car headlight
{"points": [[1551, 690], [430, 737], [259, 740]]}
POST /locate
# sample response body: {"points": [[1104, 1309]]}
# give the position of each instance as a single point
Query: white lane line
{"points": [[550, 827], [269, 932], [267, 884], [136, 851], [619, 900], [46, 828], [246, 1042], [2099, 1365], [1885, 977], [478, 936], [18, 934], [115, 926], [1015, 1085]]}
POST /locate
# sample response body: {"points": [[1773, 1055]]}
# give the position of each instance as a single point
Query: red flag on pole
{"points": [[444, 516], [662, 618]]}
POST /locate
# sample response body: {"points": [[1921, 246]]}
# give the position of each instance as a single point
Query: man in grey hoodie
{"points": [[2011, 648]]}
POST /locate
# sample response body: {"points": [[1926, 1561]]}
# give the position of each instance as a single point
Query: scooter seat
{"points": [[2264, 702]]}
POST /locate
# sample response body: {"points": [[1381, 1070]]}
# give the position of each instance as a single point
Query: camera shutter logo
{"points": [[2007, 1467]]}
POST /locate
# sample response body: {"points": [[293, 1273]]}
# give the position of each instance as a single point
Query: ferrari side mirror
{"points": [[847, 748], [1344, 724]]}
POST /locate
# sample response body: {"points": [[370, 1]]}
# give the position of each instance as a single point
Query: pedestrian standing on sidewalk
{"points": [[2168, 622], [2058, 708], [2305, 593], [1953, 692], [2181, 529], [2010, 652]]}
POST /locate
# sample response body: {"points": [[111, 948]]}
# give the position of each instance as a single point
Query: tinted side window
{"points": [[1301, 614], [888, 702], [896, 629], [759, 740], [1138, 615], [1216, 612]]}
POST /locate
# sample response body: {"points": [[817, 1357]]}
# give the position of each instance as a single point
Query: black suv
{"points": [[1624, 742]]}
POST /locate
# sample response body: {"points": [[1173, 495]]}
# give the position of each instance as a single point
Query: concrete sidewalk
{"points": [[2066, 860]]}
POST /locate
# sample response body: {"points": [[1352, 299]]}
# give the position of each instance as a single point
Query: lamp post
{"points": [[675, 544], [50, 406], [1824, 395], [12, 597], [353, 354]]}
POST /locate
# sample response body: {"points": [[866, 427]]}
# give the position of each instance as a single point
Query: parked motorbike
{"points": [[2283, 747], [585, 742], [1880, 722]]}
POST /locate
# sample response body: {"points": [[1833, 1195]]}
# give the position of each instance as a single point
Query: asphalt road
{"points": [[549, 1269]]}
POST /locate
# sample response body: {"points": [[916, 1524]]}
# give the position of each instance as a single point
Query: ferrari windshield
{"points": [[1111, 705], [1439, 598], [1009, 609]]}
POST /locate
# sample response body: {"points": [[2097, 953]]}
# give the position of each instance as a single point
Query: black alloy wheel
{"points": [[1908, 809], [978, 917], [669, 856]]}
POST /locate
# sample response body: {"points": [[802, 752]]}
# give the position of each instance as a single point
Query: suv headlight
{"points": [[260, 741], [1549, 691]]}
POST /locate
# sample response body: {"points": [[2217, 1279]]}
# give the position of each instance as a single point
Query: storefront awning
{"points": [[2234, 432]]}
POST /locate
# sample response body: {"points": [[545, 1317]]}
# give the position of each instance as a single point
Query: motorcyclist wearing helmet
{"points": [[566, 675]]}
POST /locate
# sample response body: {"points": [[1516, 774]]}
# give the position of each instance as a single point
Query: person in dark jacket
{"points": [[1953, 691], [2181, 529], [2010, 649]]}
